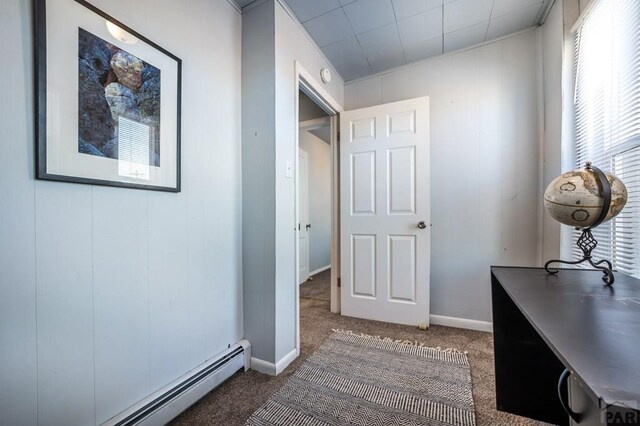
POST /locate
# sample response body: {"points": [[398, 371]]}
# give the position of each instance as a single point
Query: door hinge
{"points": [[339, 282], [338, 136]]}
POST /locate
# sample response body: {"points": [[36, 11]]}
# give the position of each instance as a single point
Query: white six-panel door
{"points": [[303, 216], [384, 197]]}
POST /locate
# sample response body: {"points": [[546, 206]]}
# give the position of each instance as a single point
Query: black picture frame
{"points": [[40, 85]]}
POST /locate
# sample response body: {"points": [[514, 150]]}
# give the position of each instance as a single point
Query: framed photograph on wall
{"points": [[107, 101]]}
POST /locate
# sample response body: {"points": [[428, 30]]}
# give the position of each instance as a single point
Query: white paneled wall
{"points": [[108, 294], [18, 341], [484, 163], [65, 309]]}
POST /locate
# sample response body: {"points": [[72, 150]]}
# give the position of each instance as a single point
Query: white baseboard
{"points": [[168, 402], [317, 271], [461, 323], [271, 368]]}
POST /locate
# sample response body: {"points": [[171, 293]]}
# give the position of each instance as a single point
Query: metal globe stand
{"points": [[587, 243]]}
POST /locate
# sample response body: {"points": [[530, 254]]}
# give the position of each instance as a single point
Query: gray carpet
{"points": [[367, 380], [317, 286], [235, 400]]}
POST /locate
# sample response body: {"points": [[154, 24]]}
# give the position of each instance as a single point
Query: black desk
{"points": [[544, 323]]}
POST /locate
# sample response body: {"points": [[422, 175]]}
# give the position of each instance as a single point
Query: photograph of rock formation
{"points": [[118, 96]]}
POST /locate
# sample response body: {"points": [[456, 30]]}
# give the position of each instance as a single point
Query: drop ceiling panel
{"points": [[382, 48], [420, 27], [465, 37], [243, 3], [381, 41], [361, 37], [309, 9], [387, 61], [406, 8], [512, 22], [348, 58], [464, 13], [503, 7], [423, 49], [366, 15], [329, 28]]}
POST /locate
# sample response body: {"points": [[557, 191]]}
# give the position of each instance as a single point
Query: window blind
{"points": [[607, 118]]}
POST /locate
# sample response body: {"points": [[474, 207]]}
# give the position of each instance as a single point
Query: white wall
{"points": [[291, 44], [484, 163], [319, 167], [556, 47], [272, 41], [258, 179], [551, 48], [107, 294]]}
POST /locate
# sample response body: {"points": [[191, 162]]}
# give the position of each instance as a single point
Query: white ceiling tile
{"points": [[309, 9], [243, 3], [465, 37], [366, 15], [364, 36], [423, 49], [502, 7], [348, 58], [512, 22], [464, 13], [382, 48], [329, 28], [386, 61], [406, 8], [421, 27], [383, 39]]}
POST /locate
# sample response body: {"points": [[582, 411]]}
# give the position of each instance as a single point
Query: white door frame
{"points": [[315, 90]]}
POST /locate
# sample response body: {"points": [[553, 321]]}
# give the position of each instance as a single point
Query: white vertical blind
{"points": [[134, 146], [607, 118]]}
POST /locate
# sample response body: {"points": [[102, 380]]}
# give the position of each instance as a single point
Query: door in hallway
{"points": [[385, 217], [303, 216]]}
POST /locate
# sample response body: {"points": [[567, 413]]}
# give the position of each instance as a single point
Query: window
{"points": [[133, 148], [607, 118]]}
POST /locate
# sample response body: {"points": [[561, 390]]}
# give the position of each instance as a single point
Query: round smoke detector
{"points": [[325, 74]]}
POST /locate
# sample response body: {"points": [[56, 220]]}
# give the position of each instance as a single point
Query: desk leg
{"points": [[527, 371], [592, 415]]}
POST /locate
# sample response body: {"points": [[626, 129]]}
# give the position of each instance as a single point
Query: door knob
{"points": [[308, 226], [422, 225]]}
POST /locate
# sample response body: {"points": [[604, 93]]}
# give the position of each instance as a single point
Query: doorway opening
{"points": [[314, 200], [317, 237]]}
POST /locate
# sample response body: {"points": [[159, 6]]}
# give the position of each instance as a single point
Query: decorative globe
{"points": [[575, 198]]}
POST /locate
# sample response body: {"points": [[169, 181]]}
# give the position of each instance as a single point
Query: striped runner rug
{"points": [[365, 380]]}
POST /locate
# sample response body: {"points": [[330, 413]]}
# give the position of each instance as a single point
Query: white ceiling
{"points": [[363, 37], [243, 3]]}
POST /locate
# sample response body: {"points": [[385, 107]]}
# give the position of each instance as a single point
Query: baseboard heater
{"points": [[165, 404]]}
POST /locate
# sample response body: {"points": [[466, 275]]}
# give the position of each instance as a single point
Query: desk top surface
{"points": [[593, 329]]}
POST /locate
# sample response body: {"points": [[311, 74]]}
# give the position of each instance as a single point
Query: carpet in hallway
{"points": [[317, 287], [361, 379]]}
